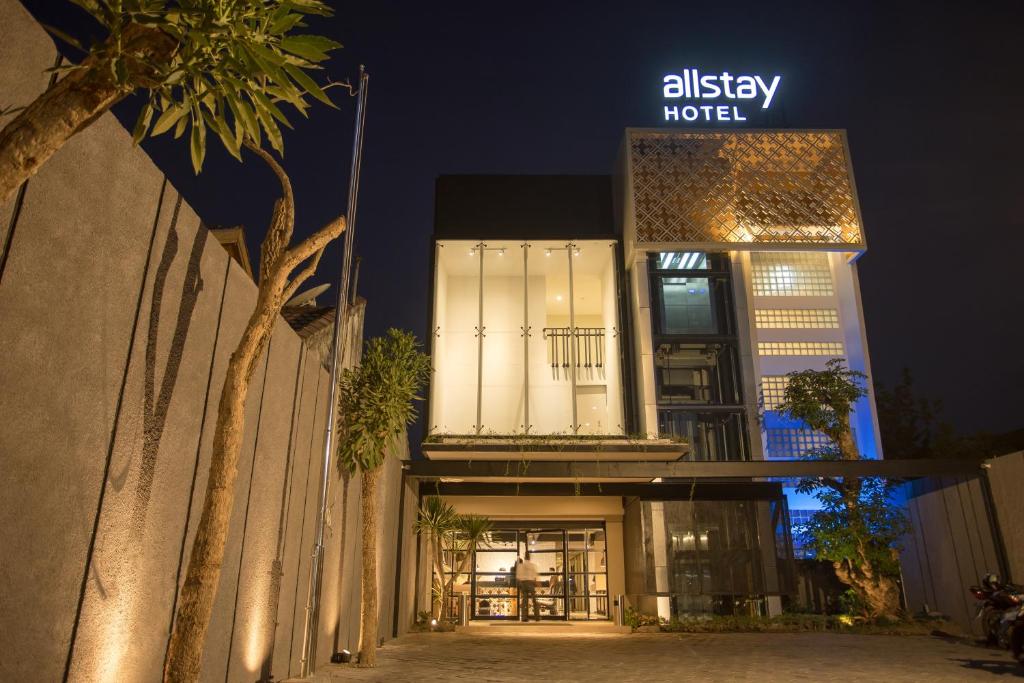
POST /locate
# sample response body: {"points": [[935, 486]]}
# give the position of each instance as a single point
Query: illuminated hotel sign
{"points": [[712, 94]]}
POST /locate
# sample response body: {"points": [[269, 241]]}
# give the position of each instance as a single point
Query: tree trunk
{"points": [[881, 594], [73, 103], [368, 611], [197, 594]]}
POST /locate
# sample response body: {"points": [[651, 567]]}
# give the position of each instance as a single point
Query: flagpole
{"points": [[340, 314]]}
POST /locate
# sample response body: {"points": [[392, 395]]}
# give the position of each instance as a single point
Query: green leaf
{"points": [[180, 128], [285, 23], [308, 84], [262, 100], [245, 116], [312, 7], [198, 144], [313, 48], [142, 123], [221, 128], [67, 38], [267, 120], [169, 118]]}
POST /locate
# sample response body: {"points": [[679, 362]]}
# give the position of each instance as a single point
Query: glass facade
{"points": [[722, 557], [526, 339], [573, 575], [697, 375]]}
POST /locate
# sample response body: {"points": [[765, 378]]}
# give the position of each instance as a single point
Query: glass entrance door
{"points": [[572, 575]]}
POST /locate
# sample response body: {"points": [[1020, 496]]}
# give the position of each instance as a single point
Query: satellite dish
{"points": [[308, 298]]}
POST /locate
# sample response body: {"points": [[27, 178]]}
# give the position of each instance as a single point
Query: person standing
{"points": [[526, 578]]}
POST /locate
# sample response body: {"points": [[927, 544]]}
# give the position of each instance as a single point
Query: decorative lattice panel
{"points": [[782, 187]]}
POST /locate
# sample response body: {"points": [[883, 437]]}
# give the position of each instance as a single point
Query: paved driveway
{"points": [[678, 657]]}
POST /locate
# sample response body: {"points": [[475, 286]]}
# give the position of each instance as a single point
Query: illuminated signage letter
{"points": [[746, 88], [708, 82], [768, 92], [673, 86], [672, 113]]}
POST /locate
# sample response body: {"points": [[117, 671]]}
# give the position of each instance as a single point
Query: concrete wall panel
{"points": [[1005, 476], [218, 636], [68, 300], [287, 618], [307, 526], [138, 544], [253, 617]]}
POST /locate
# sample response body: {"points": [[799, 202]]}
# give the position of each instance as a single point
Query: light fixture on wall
{"points": [[501, 252], [558, 297], [547, 252], [575, 252], [472, 252]]}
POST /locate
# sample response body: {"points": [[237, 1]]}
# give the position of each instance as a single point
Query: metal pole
{"points": [[572, 342], [341, 312], [526, 339], [480, 346]]}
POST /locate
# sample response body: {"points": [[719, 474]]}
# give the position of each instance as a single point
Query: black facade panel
{"points": [[523, 207]]}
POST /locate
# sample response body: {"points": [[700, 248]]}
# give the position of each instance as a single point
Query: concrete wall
{"points": [[119, 313], [961, 529]]}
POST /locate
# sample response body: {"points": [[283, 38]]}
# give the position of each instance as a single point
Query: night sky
{"points": [[931, 98]]}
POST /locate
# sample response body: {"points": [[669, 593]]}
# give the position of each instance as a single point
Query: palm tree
{"points": [[436, 521], [470, 532], [376, 403], [197, 61], [447, 530]]}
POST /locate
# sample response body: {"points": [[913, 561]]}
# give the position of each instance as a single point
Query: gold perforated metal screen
{"points": [[782, 187]]}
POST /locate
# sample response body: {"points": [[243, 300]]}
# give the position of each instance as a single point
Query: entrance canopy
{"points": [[539, 471]]}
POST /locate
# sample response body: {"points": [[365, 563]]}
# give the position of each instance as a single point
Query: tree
{"points": [[446, 530], [437, 520], [220, 65], [277, 262], [858, 527], [376, 403]]}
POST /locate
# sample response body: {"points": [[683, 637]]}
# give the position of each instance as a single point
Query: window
{"points": [[800, 348], [796, 318], [773, 390], [793, 443], [691, 293], [712, 435], [791, 274], [526, 338], [697, 374]]}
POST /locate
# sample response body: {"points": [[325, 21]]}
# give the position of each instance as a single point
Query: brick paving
{"points": [[758, 657]]}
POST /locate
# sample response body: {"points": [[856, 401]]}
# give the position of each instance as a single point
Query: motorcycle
{"points": [[1016, 630], [1000, 611]]}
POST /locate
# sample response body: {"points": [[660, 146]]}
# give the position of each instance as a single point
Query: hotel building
{"points": [[609, 352]]}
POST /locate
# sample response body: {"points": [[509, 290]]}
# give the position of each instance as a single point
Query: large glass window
{"points": [[713, 553], [712, 435], [572, 578], [691, 293], [697, 372], [526, 339]]}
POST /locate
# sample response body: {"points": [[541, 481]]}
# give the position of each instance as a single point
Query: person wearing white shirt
{"points": [[526, 582]]}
